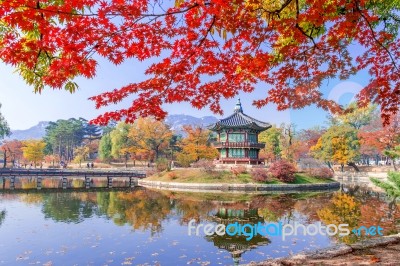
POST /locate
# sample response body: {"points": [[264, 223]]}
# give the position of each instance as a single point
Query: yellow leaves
{"points": [[344, 209], [33, 150], [179, 2], [150, 136], [195, 146], [81, 153]]}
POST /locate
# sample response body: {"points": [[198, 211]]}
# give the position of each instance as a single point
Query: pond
{"points": [[149, 227]]}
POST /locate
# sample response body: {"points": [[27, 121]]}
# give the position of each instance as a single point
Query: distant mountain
{"points": [[176, 122], [35, 132]]}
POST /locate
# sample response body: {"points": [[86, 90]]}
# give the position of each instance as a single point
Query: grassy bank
{"points": [[199, 176]]}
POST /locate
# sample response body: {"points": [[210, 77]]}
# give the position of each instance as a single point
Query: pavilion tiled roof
{"points": [[240, 120]]}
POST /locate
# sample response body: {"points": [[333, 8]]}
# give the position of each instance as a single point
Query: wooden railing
{"points": [[239, 145], [70, 172], [243, 159]]}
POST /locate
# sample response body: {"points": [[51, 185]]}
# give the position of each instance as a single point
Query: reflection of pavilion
{"points": [[237, 245]]}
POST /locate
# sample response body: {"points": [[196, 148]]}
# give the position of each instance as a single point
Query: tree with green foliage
{"points": [[272, 140], [63, 136], [4, 128], [91, 133], [393, 154], [391, 186], [339, 144], [354, 116], [105, 148], [122, 145]]}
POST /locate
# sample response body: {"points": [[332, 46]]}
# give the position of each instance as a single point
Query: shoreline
{"points": [[343, 254], [251, 187]]}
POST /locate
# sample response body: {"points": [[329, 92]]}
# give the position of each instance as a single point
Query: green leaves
{"points": [[4, 128], [392, 186]]}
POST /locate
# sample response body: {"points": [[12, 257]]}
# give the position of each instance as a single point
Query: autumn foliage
{"points": [[207, 49], [259, 175], [283, 170], [323, 172], [33, 151]]}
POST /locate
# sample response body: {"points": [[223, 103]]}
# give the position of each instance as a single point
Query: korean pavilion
{"points": [[238, 138]]}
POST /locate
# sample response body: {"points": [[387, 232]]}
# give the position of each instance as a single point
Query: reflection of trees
{"points": [[273, 209], [197, 210], [143, 209], [2, 216], [344, 209], [378, 212], [66, 207], [32, 198], [309, 206]]}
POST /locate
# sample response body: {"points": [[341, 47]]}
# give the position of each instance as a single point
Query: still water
{"points": [[150, 227]]}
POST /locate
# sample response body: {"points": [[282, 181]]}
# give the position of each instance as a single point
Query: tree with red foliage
{"points": [[207, 49], [12, 149], [308, 138], [375, 139], [283, 170]]}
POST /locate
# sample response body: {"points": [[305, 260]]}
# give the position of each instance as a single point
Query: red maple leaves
{"points": [[208, 49]]}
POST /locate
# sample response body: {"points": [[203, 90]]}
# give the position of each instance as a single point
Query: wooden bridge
{"points": [[65, 177]]}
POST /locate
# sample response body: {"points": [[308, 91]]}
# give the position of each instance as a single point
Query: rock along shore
{"points": [[342, 254]]}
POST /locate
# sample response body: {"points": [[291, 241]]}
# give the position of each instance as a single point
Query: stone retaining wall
{"points": [[239, 187]]}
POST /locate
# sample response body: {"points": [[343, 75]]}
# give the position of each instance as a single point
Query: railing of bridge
{"points": [[71, 172]]}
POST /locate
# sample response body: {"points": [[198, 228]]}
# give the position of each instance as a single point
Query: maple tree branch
{"points": [[376, 39], [113, 13], [300, 28], [207, 32], [276, 11]]}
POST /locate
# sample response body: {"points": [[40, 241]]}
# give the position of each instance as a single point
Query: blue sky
{"points": [[22, 108]]}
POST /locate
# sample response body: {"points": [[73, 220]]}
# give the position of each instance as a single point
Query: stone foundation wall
{"points": [[240, 187]]}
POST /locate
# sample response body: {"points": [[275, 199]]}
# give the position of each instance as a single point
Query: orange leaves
{"points": [[208, 50]]}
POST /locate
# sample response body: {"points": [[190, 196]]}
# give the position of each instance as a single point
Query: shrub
{"points": [[323, 172], [238, 170], [172, 176], [162, 164], [260, 175], [283, 170], [207, 165], [183, 159]]}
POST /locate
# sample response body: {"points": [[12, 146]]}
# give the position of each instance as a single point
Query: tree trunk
{"points": [[342, 168], [5, 159], [156, 151], [352, 164], [330, 166]]}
